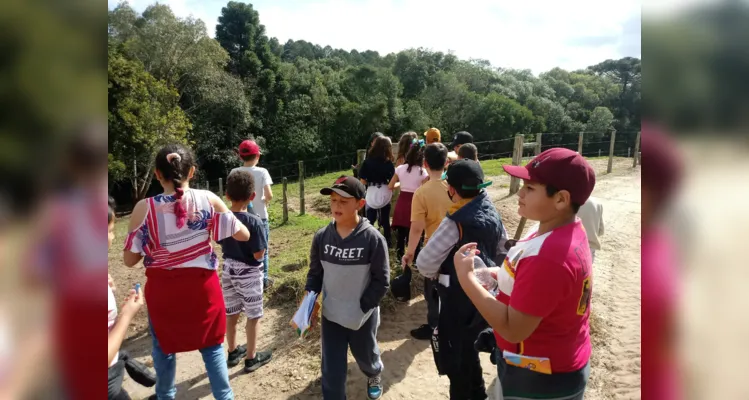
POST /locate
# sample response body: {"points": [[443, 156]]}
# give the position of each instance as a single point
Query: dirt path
{"points": [[409, 368]]}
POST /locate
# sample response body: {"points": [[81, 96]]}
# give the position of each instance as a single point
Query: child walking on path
{"points": [[249, 152], [411, 175], [349, 264], [375, 173], [472, 218], [172, 233], [428, 208], [540, 314], [242, 277]]}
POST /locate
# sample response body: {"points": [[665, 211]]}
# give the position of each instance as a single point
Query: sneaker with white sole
{"points": [[374, 387]]}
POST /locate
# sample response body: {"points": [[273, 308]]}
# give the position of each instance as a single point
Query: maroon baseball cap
{"points": [[561, 168], [249, 148]]}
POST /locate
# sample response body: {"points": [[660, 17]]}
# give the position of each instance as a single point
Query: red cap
{"points": [[249, 148], [561, 168]]}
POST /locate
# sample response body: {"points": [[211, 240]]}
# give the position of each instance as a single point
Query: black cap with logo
{"points": [[466, 174], [346, 186], [461, 137]]}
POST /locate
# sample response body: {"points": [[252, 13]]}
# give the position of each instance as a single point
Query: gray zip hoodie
{"points": [[352, 273]]}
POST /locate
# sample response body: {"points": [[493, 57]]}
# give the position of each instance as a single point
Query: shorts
{"points": [[243, 288]]}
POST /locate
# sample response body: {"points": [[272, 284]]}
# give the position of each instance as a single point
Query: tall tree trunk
{"points": [[143, 189]]}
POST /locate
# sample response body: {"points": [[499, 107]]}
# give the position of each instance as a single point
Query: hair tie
{"points": [[179, 208], [173, 156]]}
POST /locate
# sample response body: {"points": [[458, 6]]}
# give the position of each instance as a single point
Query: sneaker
{"points": [[374, 387], [423, 332], [261, 358], [236, 356]]}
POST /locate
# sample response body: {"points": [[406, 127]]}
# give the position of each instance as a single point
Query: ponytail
{"points": [[415, 155], [174, 163]]}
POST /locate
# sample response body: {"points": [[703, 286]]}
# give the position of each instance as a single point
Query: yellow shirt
{"points": [[430, 204]]}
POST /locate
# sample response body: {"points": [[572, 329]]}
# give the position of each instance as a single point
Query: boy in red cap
{"points": [[540, 314], [249, 152]]}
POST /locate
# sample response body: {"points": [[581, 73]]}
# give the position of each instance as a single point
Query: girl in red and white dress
{"points": [[171, 233]]}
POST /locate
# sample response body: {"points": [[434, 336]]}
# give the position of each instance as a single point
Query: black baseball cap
{"points": [[346, 186], [461, 137], [467, 175]]}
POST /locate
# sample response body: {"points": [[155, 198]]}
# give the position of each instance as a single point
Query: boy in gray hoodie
{"points": [[349, 264]]}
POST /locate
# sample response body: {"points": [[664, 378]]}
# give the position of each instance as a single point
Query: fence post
{"points": [[611, 151], [361, 154], [580, 144], [517, 156], [301, 187], [220, 186], [637, 150], [599, 152], [538, 143], [285, 202]]}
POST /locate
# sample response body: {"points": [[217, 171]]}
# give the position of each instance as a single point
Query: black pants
{"points": [[382, 216], [459, 326], [114, 384], [402, 235], [468, 382], [433, 302]]}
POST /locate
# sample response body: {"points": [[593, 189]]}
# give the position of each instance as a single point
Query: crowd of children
{"points": [[445, 225]]}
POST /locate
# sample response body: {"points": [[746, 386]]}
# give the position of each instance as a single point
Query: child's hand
{"points": [[463, 259], [111, 282], [407, 259], [133, 303]]}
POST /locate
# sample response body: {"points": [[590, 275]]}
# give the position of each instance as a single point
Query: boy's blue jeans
{"points": [[165, 365], [266, 226]]}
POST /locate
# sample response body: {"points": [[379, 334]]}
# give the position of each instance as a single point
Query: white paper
{"points": [[303, 315]]}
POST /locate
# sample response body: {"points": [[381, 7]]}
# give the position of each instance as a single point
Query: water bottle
{"points": [[487, 280]]}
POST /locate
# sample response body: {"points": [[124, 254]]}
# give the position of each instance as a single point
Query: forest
{"points": [[169, 81]]}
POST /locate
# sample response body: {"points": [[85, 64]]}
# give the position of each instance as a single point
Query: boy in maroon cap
{"points": [[249, 152], [540, 314]]}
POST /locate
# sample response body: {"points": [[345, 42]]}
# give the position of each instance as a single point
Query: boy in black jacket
{"points": [[472, 218]]}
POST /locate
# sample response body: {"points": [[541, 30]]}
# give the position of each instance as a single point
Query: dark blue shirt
{"points": [[377, 171], [244, 251]]}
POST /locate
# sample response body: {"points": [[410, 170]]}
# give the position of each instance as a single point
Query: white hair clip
{"points": [[173, 156]]}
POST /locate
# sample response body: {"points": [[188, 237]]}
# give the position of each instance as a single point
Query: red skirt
{"points": [[186, 308], [402, 214]]}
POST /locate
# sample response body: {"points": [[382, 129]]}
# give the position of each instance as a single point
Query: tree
{"points": [[306, 100], [240, 33], [175, 50], [144, 115], [599, 123], [627, 74]]}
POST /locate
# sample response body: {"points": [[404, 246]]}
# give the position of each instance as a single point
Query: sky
{"points": [[530, 34]]}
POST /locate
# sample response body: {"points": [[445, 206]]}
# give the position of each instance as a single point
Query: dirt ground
{"points": [[409, 372]]}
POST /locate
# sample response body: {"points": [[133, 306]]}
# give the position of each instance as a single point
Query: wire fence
{"points": [[589, 144]]}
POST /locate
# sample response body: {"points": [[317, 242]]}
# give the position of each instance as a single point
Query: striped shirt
{"points": [[163, 245]]}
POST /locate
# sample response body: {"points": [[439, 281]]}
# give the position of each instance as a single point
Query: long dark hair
{"points": [[404, 145], [383, 148], [415, 155], [110, 209], [174, 162]]}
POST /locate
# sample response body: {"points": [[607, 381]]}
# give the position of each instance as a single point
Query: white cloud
{"points": [[534, 34]]}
